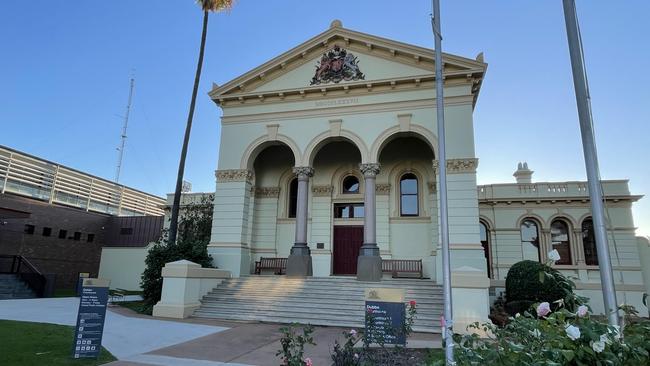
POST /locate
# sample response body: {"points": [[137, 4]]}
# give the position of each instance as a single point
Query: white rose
{"points": [[582, 311], [572, 332], [605, 339], [554, 255], [598, 347]]}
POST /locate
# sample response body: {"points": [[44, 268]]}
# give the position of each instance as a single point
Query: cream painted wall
{"points": [[123, 266]]}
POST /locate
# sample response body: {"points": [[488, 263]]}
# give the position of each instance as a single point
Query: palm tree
{"points": [[207, 6]]}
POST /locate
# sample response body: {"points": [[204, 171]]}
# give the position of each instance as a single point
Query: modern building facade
{"points": [[59, 218], [328, 156]]}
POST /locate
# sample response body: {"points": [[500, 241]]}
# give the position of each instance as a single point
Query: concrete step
{"points": [[332, 301]]}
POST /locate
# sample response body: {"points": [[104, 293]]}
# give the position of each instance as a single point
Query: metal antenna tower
{"points": [[120, 150]]}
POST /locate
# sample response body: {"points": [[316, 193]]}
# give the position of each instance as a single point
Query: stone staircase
{"points": [[12, 287], [330, 301]]}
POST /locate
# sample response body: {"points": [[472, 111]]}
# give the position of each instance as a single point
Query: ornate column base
{"points": [[299, 263], [369, 263]]}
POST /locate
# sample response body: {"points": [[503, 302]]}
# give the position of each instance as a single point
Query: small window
{"points": [[348, 210], [293, 198], [530, 240], [90, 238], [77, 236], [408, 195], [351, 184], [63, 234], [589, 243], [126, 231], [560, 241], [485, 243], [29, 229], [47, 231]]}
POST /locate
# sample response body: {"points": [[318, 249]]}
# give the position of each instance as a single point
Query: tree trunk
{"points": [[173, 226]]}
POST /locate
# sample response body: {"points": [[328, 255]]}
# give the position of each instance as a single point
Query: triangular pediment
{"points": [[342, 58]]}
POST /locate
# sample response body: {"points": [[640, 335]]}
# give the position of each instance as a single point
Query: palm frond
{"points": [[215, 5]]}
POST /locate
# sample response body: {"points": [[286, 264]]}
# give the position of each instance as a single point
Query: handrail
{"points": [[34, 279]]}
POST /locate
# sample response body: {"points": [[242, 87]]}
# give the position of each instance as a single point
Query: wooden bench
{"points": [[278, 265], [397, 266]]}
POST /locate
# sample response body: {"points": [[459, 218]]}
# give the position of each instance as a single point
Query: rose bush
{"points": [[562, 337]]}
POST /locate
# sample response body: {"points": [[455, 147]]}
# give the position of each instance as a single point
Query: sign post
{"points": [[90, 318], [385, 316]]}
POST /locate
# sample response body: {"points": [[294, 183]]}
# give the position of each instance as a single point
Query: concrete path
{"points": [[124, 337]]}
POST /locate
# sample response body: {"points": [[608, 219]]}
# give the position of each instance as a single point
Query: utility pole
{"points": [[583, 101], [442, 168], [120, 150]]}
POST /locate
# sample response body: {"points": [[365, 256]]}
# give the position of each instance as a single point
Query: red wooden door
{"points": [[347, 241]]}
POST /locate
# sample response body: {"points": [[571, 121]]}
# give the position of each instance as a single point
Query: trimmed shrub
{"points": [[529, 282], [193, 237]]}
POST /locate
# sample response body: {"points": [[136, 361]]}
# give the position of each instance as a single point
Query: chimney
{"points": [[523, 174]]}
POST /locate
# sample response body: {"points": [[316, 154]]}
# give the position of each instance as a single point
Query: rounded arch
{"points": [[570, 221], [255, 147], [340, 174], [486, 220], [321, 140], [423, 175], [394, 132], [584, 217], [529, 215]]}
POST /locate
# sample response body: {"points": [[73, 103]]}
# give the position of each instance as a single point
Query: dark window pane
{"points": [[409, 205], [63, 234], [486, 248], [351, 184], [293, 198], [91, 238], [126, 231], [483, 231], [77, 236], [47, 231], [29, 229], [560, 241], [589, 243]]}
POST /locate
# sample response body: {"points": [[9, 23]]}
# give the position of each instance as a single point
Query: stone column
{"points": [[299, 263], [369, 261]]}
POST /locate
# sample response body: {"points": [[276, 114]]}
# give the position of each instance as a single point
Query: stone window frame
{"points": [[539, 229], [342, 187], [424, 193], [488, 236], [582, 241], [418, 194]]}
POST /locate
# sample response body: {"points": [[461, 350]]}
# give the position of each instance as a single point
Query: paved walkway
{"points": [[138, 340]]}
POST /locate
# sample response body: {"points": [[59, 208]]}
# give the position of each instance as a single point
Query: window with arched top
{"points": [[485, 243], [530, 240], [293, 198], [560, 240], [350, 184], [408, 188], [589, 242]]}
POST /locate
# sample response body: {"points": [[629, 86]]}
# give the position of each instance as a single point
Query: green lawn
{"points": [[26, 344]]}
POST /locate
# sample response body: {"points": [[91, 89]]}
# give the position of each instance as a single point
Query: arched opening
{"points": [[485, 243], [560, 240], [271, 166], [336, 166], [530, 239], [589, 242]]}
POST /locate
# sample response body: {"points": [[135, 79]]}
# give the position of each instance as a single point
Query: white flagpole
{"points": [[591, 159], [442, 168]]}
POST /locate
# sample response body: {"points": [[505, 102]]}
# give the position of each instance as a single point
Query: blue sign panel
{"points": [[90, 319], [385, 322]]}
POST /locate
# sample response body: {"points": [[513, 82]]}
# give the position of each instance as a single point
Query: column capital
{"points": [[303, 172], [234, 175], [370, 170]]}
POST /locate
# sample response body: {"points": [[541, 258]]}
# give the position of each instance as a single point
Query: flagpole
{"points": [[583, 101], [442, 168]]}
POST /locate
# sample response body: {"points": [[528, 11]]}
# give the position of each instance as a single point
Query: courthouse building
{"points": [[329, 156]]}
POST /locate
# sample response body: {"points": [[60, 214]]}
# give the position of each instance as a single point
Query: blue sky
{"points": [[65, 71]]}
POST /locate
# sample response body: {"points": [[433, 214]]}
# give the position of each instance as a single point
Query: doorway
{"points": [[347, 241]]}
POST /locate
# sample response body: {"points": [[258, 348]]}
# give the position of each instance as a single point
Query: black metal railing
{"points": [[25, 270]]}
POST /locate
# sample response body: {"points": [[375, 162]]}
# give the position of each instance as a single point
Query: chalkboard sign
{"points": [[90, 318], [385, 316]]}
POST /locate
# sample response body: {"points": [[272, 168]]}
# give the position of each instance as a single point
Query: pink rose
{"points": [[353, 332], [308, 362], [543, 309], [412, 303]]}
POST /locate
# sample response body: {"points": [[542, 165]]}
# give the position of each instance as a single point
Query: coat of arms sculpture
{"points": [[337, 64]]}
